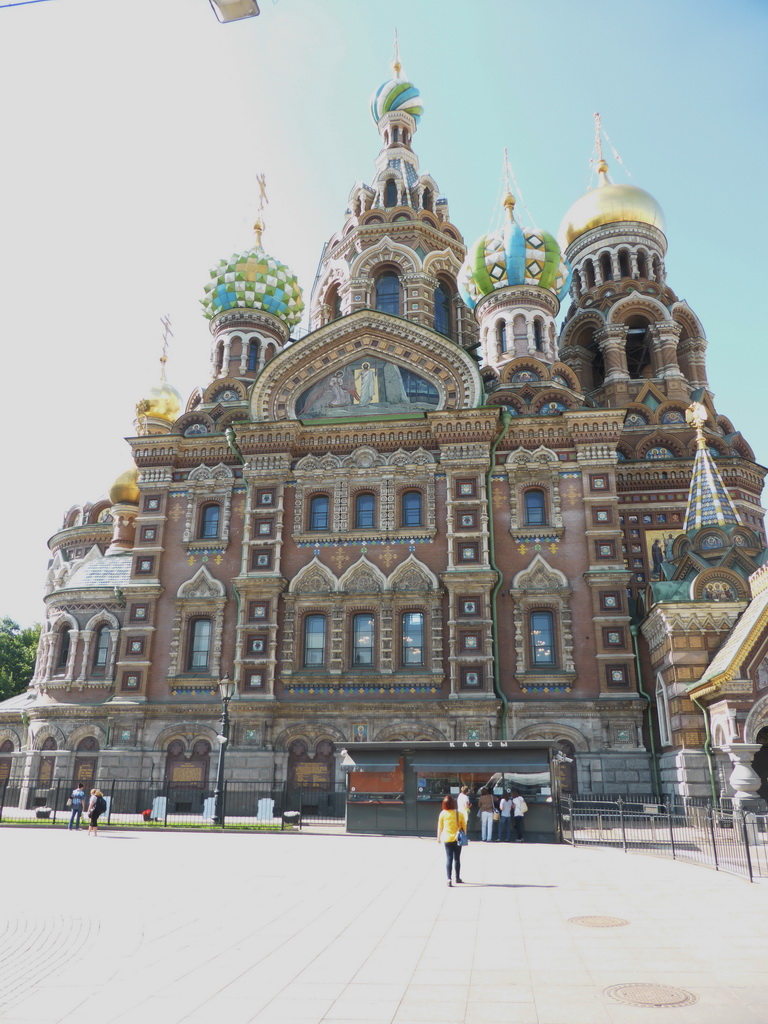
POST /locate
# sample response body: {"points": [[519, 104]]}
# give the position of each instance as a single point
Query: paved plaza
{"points": [[143, 927]]}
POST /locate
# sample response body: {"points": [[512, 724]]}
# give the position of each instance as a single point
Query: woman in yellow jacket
{"points": [[449, 823]]}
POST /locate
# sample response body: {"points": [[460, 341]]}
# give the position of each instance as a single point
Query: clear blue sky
{"points": [[134, 132]]}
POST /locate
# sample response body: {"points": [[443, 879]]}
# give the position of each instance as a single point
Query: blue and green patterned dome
{"points": [[513, 255], [254, 280], [396, 94]]}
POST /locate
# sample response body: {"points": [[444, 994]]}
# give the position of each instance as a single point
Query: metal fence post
{"points": [[668, 808], [111, 801], [223, 802], [620, 802], [56, 800], [745, 838], [711, 819]]}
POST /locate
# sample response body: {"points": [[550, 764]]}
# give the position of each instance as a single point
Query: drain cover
{"points": [[598, 922], [651, 995]]}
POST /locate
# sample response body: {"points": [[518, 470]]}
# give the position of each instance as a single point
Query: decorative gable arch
{"points": [[314, 578], [201, 586], [363, 577], [385, 251], [413, 575], [340, 348]]}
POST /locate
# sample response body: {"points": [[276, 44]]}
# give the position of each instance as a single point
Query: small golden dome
{"points": [[609, 204], [162, 402], [125, 490]]}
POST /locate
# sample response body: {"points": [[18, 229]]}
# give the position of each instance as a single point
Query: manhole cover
{"points": [[651, 995], [599, 922]]}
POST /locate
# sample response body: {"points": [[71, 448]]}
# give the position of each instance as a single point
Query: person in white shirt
{"points": [[519, 808], [462, 801], [505, 819]]}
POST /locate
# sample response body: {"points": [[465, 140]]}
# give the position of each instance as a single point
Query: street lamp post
{"points": [[226, 691]]}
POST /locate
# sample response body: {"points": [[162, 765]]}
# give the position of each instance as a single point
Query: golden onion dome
{"points": [[609, 204], [162, 402], [125, 490]]}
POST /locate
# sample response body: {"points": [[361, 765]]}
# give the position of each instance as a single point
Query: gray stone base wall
{"points": [[685, 772], [609, 774]]}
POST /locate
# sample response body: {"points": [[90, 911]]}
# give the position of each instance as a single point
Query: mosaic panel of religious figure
{"points": [[659, 547], [371, 386]]}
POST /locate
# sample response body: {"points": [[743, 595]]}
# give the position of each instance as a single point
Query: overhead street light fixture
{"points": [[234, 10]]}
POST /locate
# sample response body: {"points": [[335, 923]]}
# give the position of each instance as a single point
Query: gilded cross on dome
{"points": [[697, 416]]}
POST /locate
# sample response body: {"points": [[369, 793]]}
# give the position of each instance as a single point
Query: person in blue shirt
{"points": [[77, 802]]}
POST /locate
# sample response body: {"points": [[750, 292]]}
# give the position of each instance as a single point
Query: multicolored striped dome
{"points": [[513, 255], [396, 94], [254, 280]]}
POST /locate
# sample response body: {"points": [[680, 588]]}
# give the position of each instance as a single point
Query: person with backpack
{"points": [[76, 802], [519, 809], [96, 807]]}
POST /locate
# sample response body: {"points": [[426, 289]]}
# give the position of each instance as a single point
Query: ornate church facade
{"points": [[434, 516]]}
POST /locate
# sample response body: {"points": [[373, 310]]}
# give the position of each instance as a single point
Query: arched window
{"points": [[253, 355], [577, 283], [642, 265], [101, 649], [624, 263], [388, 293], [589, 271], [199, 648], [538, 337], [319, 509], [426, 200], [605, 267], [314, 641], [63, 658], [362, 639], [662, 710], [413, 638], [209, 521], [390, 193], [501, 335], [638, 348], [395, 134], [442, 311], [542, 639], [535, 508], [365, 511], [411, 509], [333, 301]]}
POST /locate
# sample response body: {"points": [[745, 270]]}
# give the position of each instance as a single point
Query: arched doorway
{"points": [[566, 770], [186, 775], [86, 760], [6, 749], [47, 764], [310, 784], [760, 762]]}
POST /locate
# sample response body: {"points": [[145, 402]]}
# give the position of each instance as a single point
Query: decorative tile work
{"points": [[253, 280], [344, 690]]}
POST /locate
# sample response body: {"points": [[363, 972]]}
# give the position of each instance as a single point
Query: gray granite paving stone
{"points": [[324, 928]]}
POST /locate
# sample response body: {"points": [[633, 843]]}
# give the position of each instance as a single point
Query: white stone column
{"points": [[744, 780]]}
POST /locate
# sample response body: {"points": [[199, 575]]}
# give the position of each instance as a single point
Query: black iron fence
{"points": [[255, 805], [720, 837]]}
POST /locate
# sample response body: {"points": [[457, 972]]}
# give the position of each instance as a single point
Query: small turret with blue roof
{"points": [[514, 279]]}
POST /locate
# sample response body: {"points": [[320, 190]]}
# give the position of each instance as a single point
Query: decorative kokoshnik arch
{"points": [[325, 374]]}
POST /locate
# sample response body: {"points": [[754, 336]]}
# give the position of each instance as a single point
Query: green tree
{"points": [[18, 648]]}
